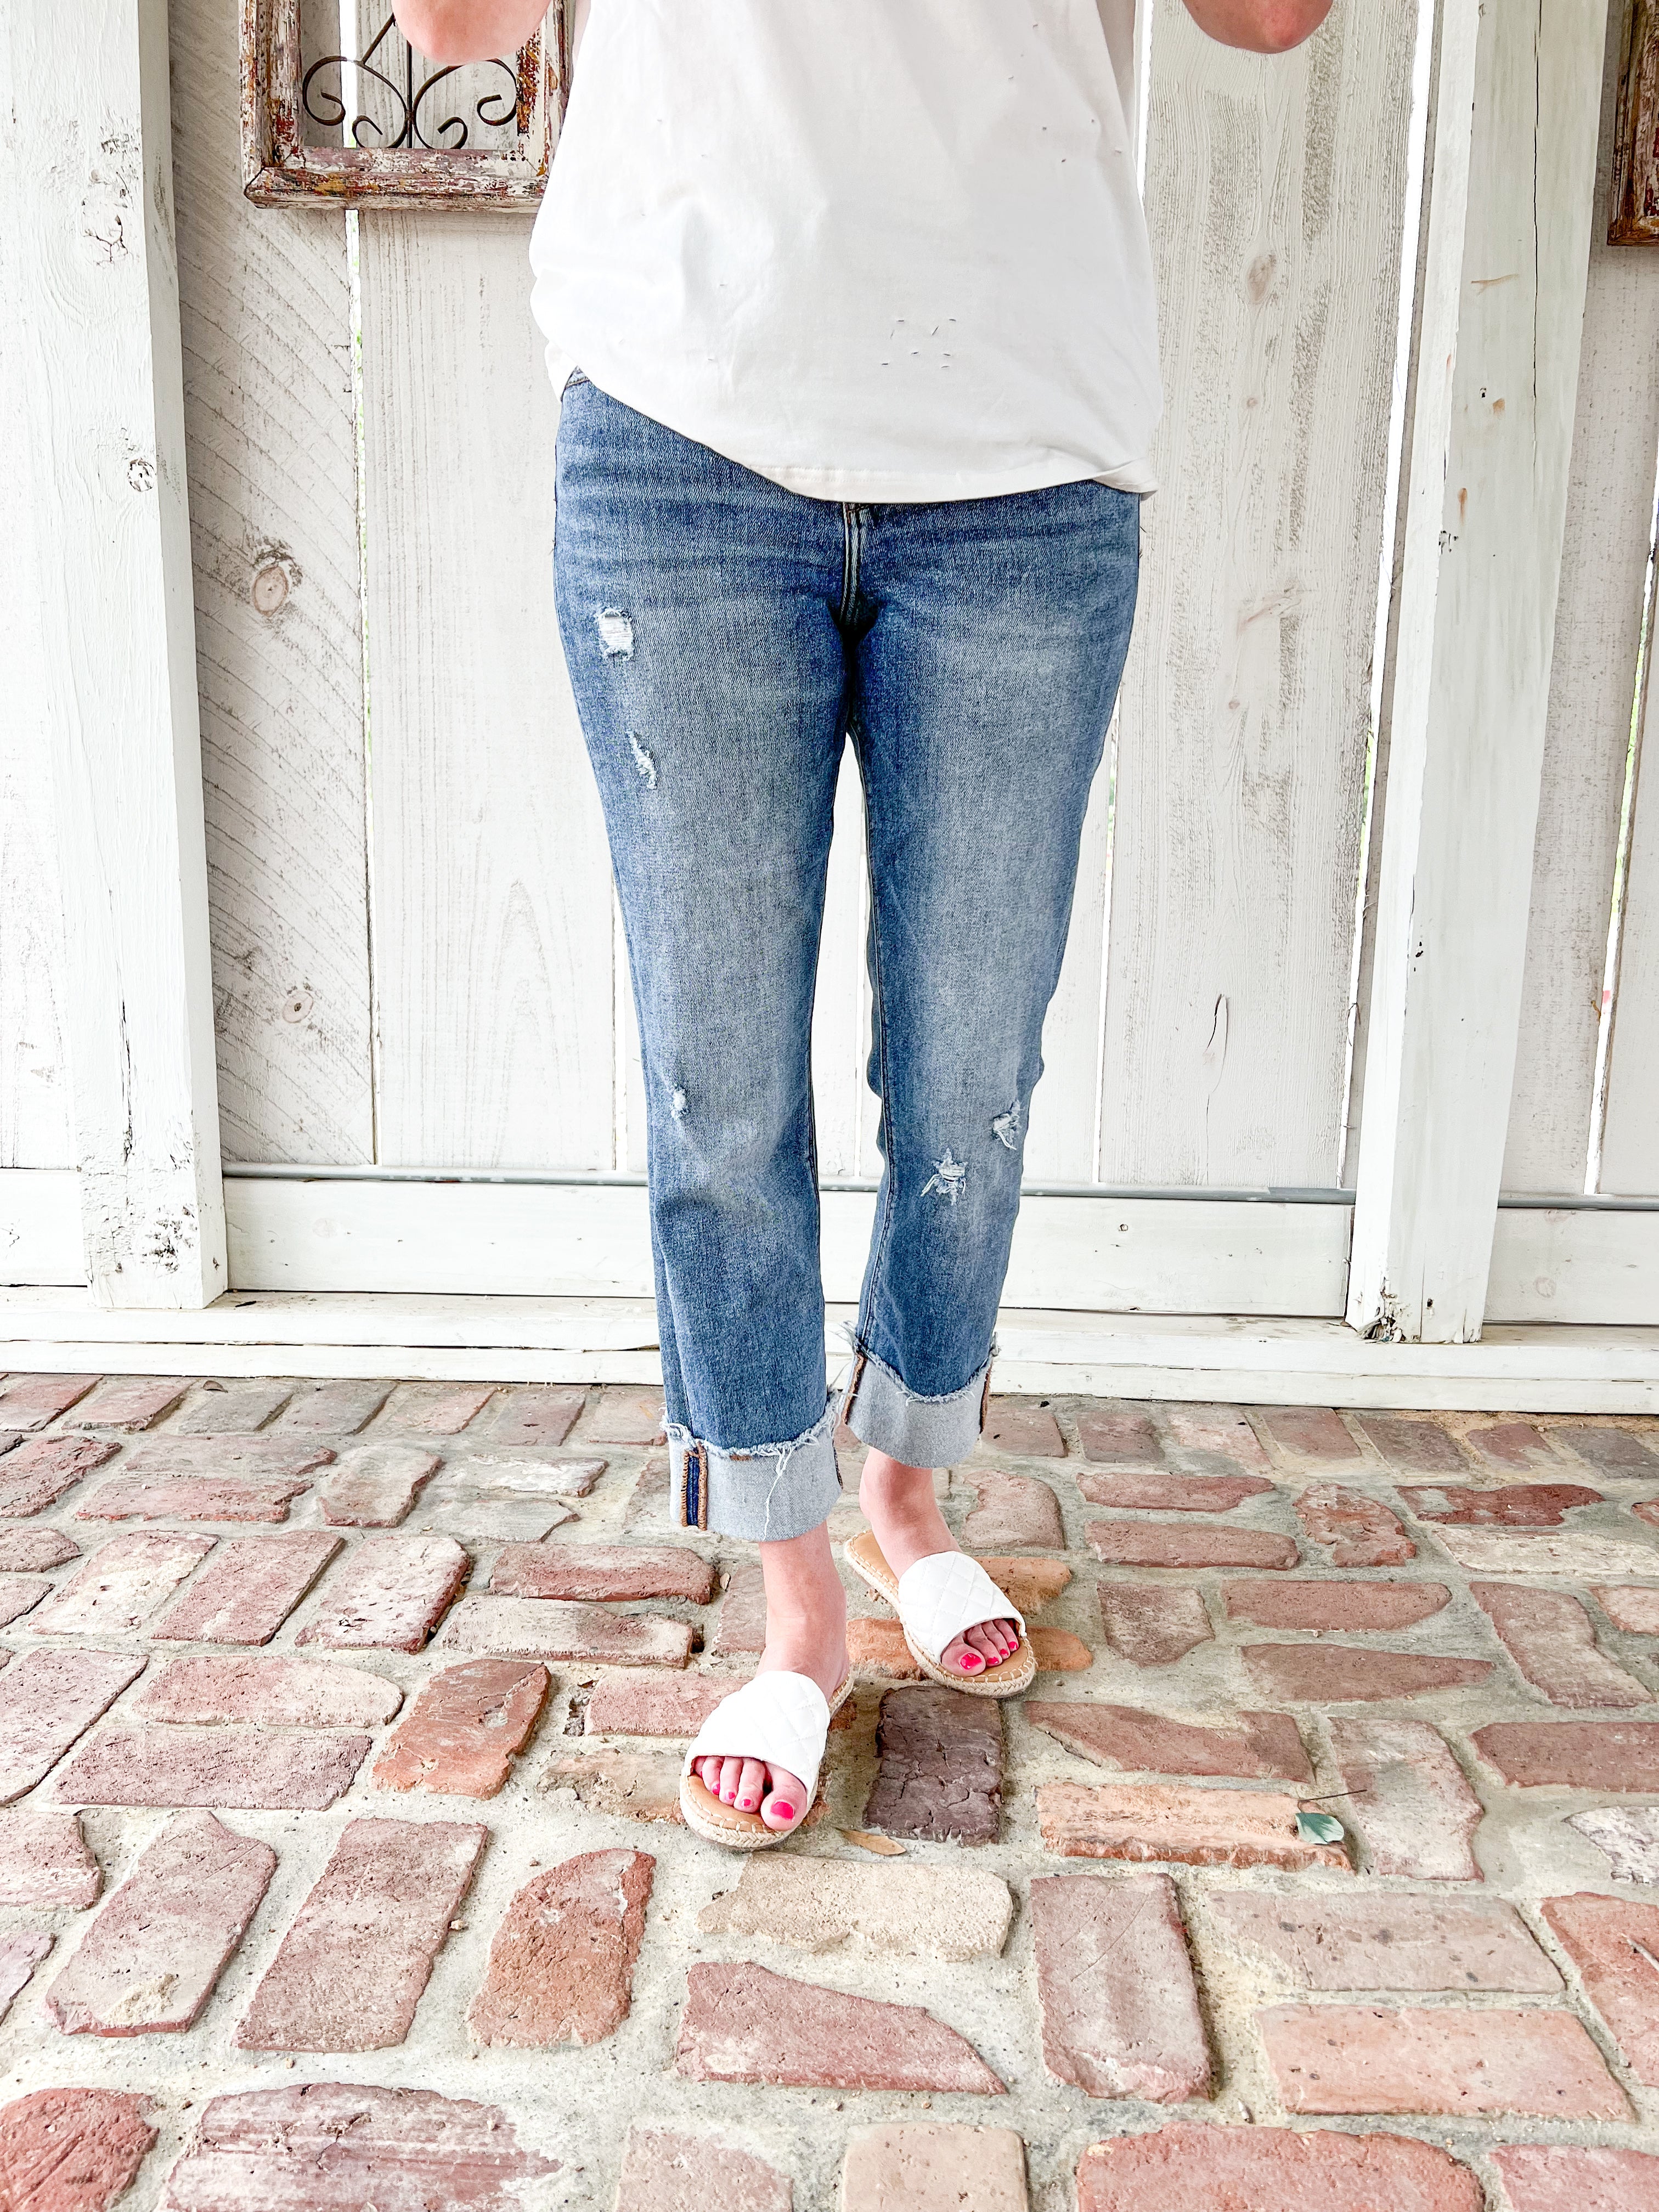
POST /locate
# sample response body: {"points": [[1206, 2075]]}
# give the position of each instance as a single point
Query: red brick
{"points": [[1248, 1746], [662, 2171], [30, 1551], [1421, 1447], [434, 1409], [1574, 1554], [1627, 1836], [1058, 1650], [331, 2147], [1309, 1432], [390, 1595], [1387, 1941], [122, 1584], [1317, 1606], [508, 1501], [19, 1594], [1180, 1544], [1027, 1431], [351, 1969], [247, 1589], [941, 1767], [562, 1963], [741, 1627], [1560, 2177], [1515, 1444], [1031, 1583], [1360, 1530], [224, 1498], [877, 1648], [1120, 1437], [1342, 1674], [648, 1500], [815, 1904], [625, 1417], [245, 1768], [743, 2024], [1114, 1986], [1614, 1943], [1636, 1611], [459, 1736], [49, 1698], [43, 1860], [1013, 1509], [1548, 1635], [1408, 1797], [535, 1414], [643, 1703], [71, 2150], [613, 1572], [1154, 1493], [38, 1472], [1152, 1623], [1256, 2169], [130, 1402], [1621, 1756], [1217, 1433], [549, 1628], [270, 1692], [334, 1409], [1354, 2058], [374, 1485], [232, 1409], [150, 1960], [1647, 1510], [274, 1458], [1521, 1505], [29, 1402], [21, 1952], [1142, 1821], [1601, 1444]]}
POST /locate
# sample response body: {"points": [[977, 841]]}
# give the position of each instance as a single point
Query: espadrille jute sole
{"points": [[1006, 1679]]}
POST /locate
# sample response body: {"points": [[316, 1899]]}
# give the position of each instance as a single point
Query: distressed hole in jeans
{"points": [[677, 1104], [615, 632], [947, 1179], [643, 760], [1005, 1127]]}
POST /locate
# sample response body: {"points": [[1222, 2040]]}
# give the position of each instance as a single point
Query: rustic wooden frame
{"points": [[1633, 196], [279, 169]]}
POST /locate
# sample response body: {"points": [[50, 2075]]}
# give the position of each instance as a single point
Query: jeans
{"points": [[724, 638]]}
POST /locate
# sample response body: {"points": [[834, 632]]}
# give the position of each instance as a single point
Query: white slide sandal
{"points": [[938, 1599], [779, 1718]]}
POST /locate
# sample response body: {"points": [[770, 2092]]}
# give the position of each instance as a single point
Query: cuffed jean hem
{"points": [[766, 1494], [918, 1432]]}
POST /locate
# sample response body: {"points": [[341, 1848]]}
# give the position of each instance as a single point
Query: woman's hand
{"points": [[1260, 26], [468, 30]]}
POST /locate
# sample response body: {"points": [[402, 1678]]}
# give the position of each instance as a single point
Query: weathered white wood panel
{"points": [[271, 446], [85, 180], [1581, 1264], [1274, 192], [34, 1074], [1630, 1141], [41, 1227], [1598, 628], [567, 1240], [1508, 218], [492, 903], [843, 1102], [1060, 1144]]}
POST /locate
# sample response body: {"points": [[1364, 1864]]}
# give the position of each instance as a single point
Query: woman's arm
{"points": [[1261, 26], [470, 30]]}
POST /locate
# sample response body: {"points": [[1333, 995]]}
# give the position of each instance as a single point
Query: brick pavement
{"points": [[339, 1726]]}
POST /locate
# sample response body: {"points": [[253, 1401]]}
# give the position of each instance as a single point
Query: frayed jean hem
{"points": [[918, 1432], [763, 1493]]}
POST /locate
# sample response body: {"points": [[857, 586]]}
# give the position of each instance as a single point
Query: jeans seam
{"points": [[866, 1312]]}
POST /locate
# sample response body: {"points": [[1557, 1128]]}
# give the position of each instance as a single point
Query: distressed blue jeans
{"points": [[726, 638]]}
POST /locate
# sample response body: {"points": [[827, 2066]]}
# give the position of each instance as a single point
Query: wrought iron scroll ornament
{"points": [[1633, 200], [411, 135]]}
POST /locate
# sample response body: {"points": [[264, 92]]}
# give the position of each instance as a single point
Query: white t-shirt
{"points": [[875, 250]]}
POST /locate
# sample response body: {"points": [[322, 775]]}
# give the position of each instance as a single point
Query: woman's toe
{"points": [[752, 1785], [786, 1807], [962, 1656], [709, 1773], [731, 1772]]}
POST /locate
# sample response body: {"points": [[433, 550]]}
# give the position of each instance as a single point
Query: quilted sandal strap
{"points": [[942, 1596], [781, 1718]]}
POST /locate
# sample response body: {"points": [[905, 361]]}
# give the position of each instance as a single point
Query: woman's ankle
{"points": [[900, 1504], [805, 1610]]}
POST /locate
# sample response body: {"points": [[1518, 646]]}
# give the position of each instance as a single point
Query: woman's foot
{"points": [[806, 1634], [899, 1503]]}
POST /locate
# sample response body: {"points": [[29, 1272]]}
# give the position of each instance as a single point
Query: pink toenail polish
{"points": [[971, 1661], [745, 1804], [784, 1812]]}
